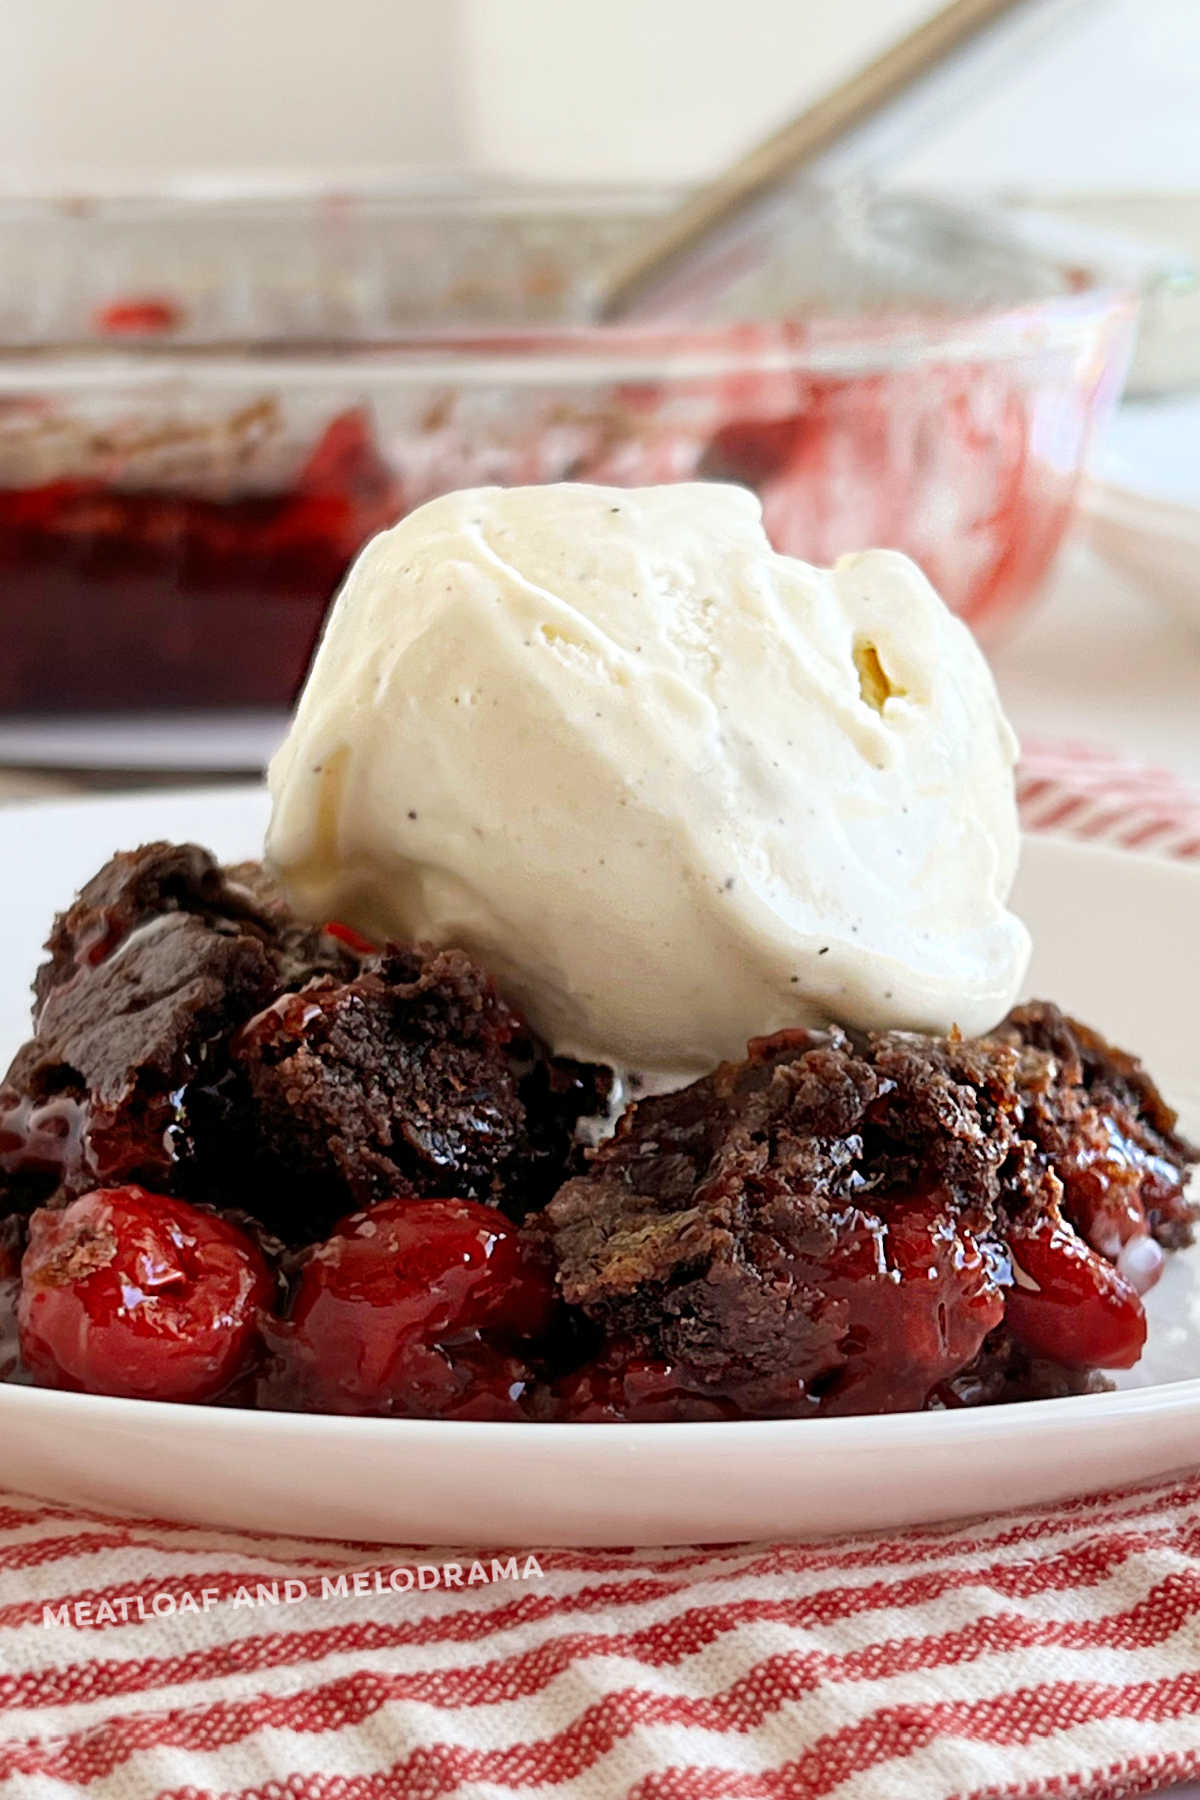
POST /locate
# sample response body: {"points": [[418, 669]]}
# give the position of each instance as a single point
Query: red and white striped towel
{"points": [[1048, 1653], [1093, 794]]}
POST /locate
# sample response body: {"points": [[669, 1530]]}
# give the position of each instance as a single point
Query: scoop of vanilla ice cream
{"points": [[673, 789]]}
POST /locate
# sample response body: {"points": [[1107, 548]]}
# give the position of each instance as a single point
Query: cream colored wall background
{"points": [[666, 87], [150, 87], [601, 89]]}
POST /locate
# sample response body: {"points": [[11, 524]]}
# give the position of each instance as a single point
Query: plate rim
{"points": [[844, 1432]]}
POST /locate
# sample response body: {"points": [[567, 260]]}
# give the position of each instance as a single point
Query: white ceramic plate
{"points": [[1115, 941]]}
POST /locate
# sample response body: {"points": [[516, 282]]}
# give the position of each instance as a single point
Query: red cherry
{"points": [[920, 1293], [411, 1307], [1067, 1303], [127, 1292]]}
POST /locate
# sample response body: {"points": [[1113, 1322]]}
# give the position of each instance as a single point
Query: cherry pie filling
{"points": [[836, 1225]]}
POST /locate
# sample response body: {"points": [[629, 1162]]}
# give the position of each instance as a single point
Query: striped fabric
{"points": [[1051, 1653], [1093, 794]]}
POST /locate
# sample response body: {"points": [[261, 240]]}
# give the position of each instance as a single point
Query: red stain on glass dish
{"points": [[143, 315], [967, 461]]}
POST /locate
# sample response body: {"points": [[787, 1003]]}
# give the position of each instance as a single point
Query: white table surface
{"points": [[1102, 659], [1105, 658]]}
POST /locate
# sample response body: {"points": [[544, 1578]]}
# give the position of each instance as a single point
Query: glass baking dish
{"points": [[208, 403]]}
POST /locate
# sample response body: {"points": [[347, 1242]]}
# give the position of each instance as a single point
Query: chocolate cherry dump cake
{"points": [[625, 1029], [256, 1162]]}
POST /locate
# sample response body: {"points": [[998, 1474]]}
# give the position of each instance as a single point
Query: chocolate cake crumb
{"points": [[405, 1080], [159, 959]]}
